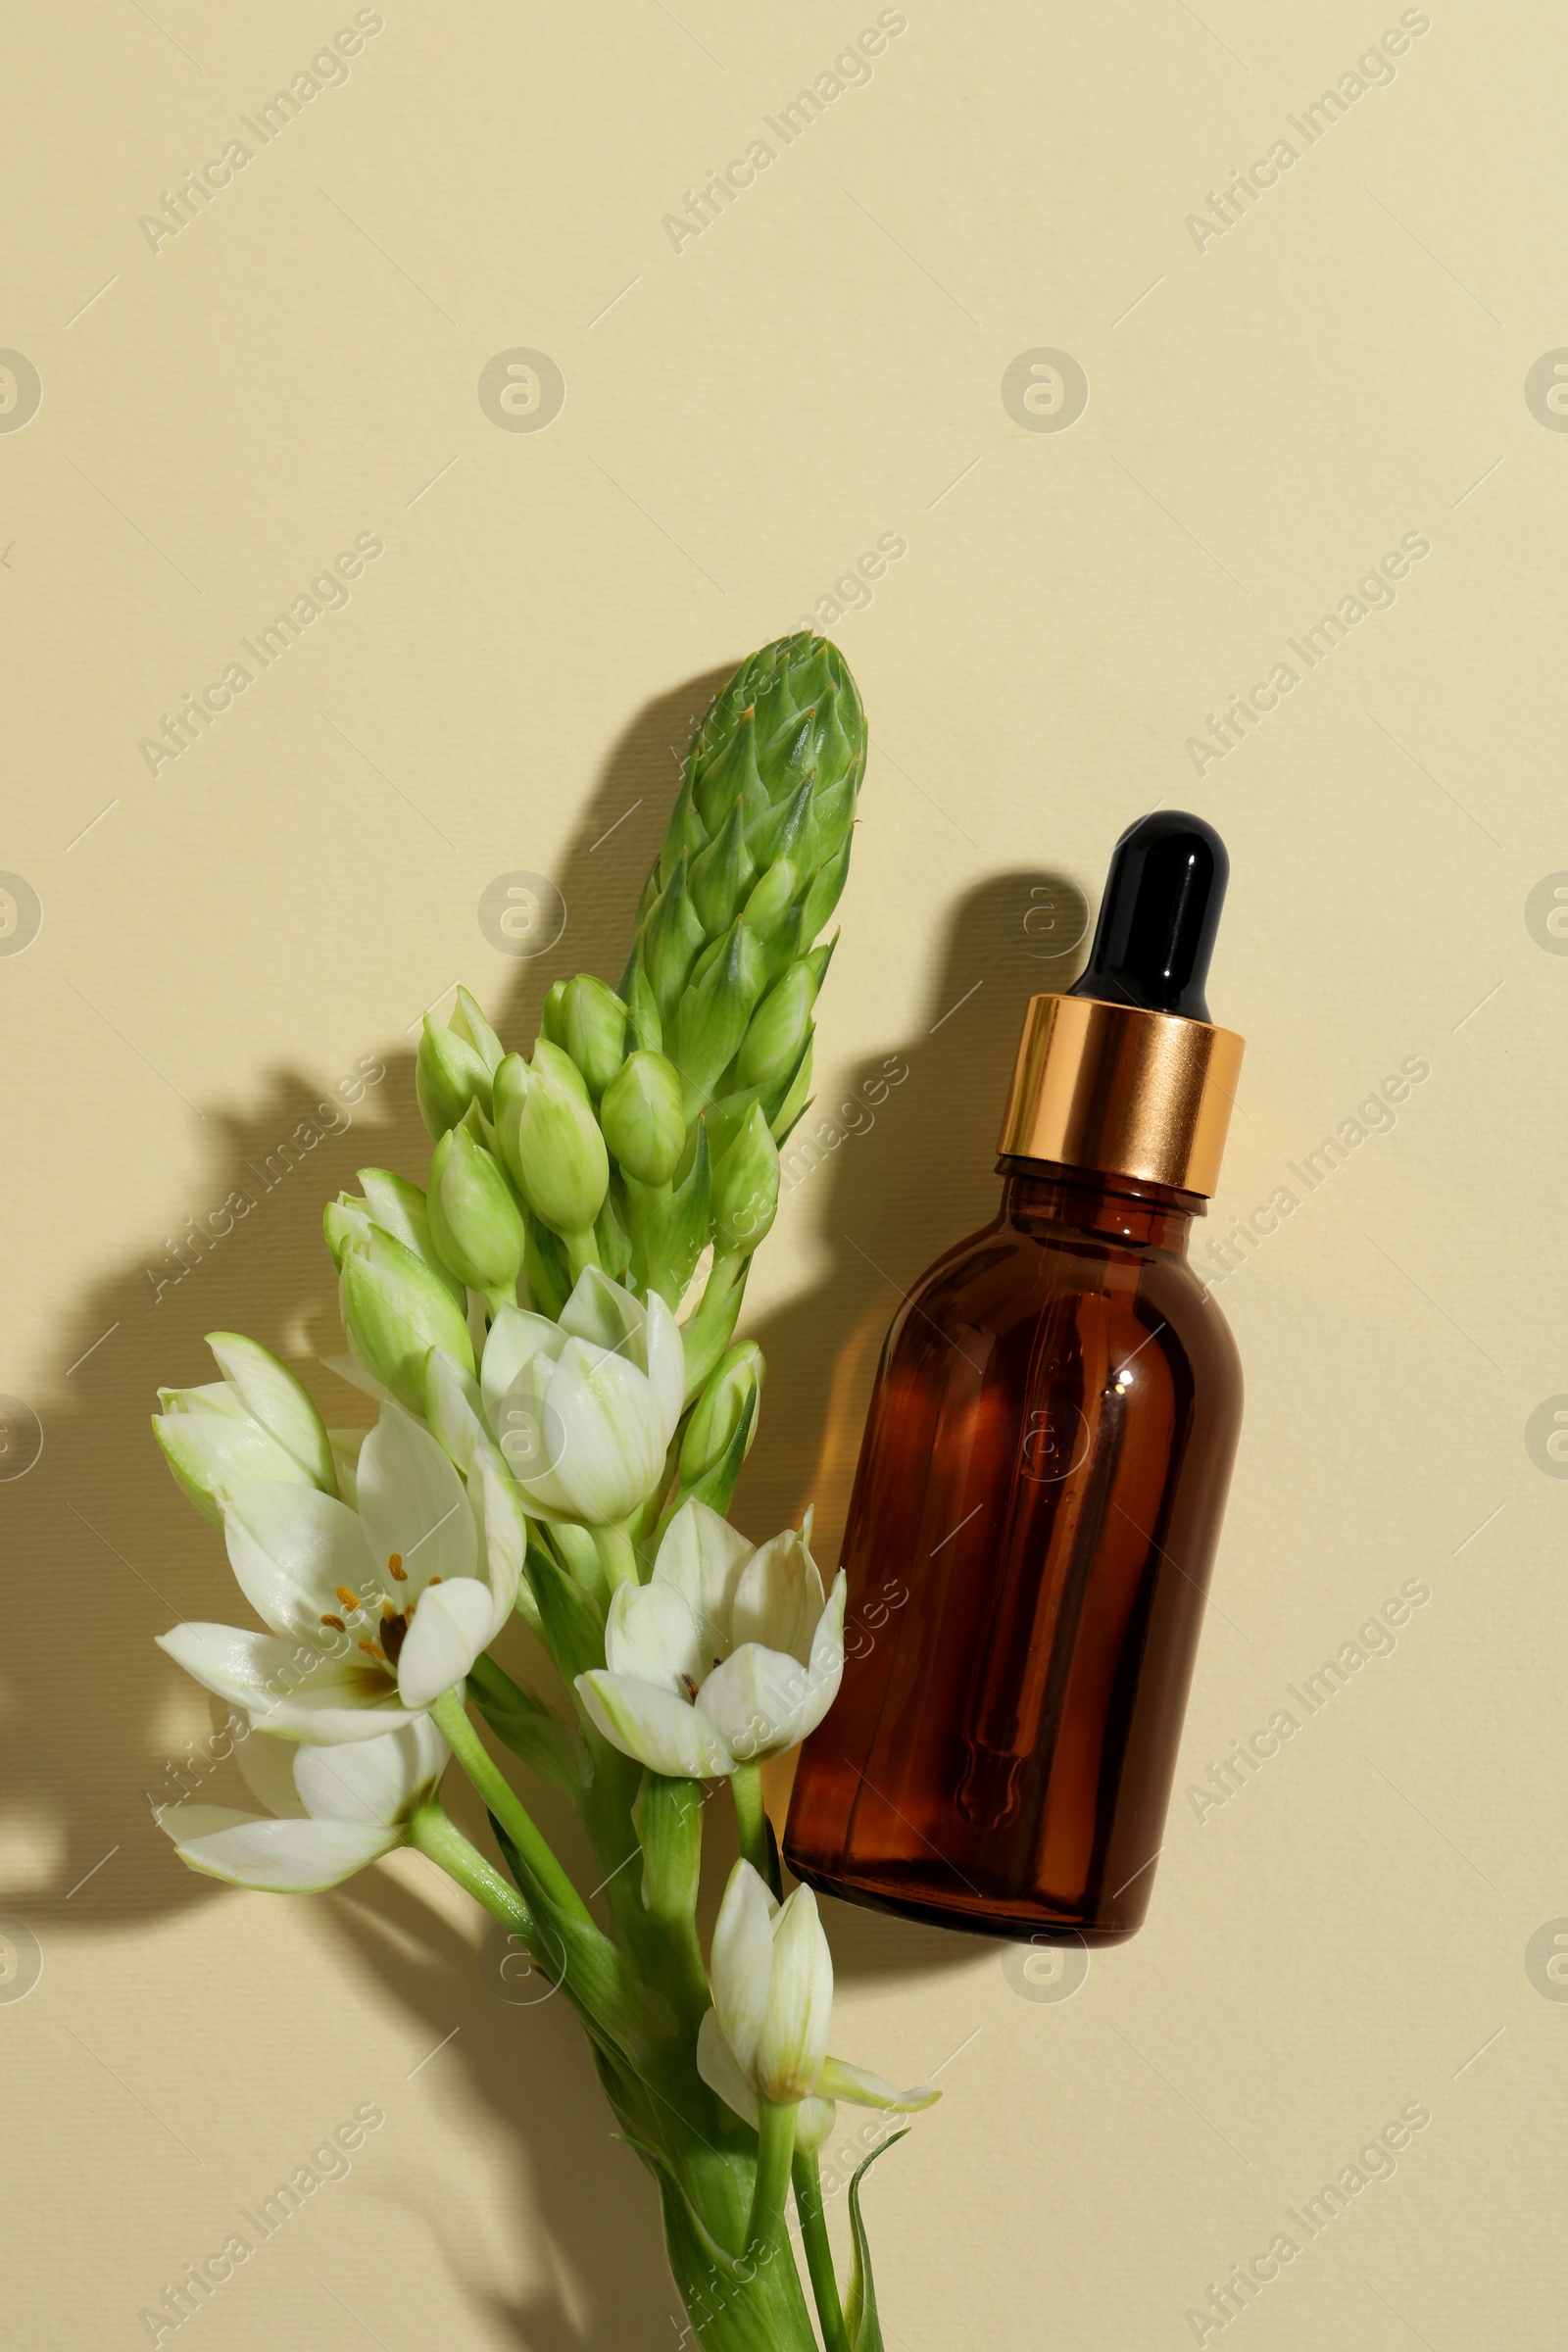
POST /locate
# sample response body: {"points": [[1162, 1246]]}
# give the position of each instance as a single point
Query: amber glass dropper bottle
{"points": [[1045, 1467]]}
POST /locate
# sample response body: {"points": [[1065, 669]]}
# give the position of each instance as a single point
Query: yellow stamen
{"points": [[336, 1623], [373, 1650], [350, 1600], [394, 1561]]}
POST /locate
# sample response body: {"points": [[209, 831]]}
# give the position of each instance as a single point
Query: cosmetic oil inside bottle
{"points": [[1045, 1466]]}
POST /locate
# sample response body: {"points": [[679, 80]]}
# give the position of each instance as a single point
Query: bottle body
{"points": [[1030, 1539]]}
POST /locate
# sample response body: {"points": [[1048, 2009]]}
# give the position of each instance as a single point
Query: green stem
{"points": [[581, 1250], [775, 2146], [807, 2178], [432, 1835], [618, 1556], [450, 1718], [751, 1814]]}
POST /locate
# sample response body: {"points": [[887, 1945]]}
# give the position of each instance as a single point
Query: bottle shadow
{"points": [[98, 1728]]}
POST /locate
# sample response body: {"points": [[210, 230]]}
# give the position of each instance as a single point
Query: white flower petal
{"points": [[266, 1767], [852, 2084], [531, 1440], [652, 1725], [452, 1624], [289, 1690], [454, 1407], [703, 1556], [350, 1369], [515, 1336], [287, 1857], [652, 1635], [211, 1454], [503, 1534], [827, 1659], [213, 1397], [605, 1313], [792, 2042], [375, 1782], [778, 1600], [664, 1361], [290, 1548], [413, 1504], [720, 2069], [613, 1433], [757, 1701], [346, 1444], [742, 1962], [278, 1399]]}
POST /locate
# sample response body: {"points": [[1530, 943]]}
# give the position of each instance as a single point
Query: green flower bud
{"points": [[469, 1024], [555, 1153], [671, 1230], [827, 888], [345, 1221], [401, 1210], [733, 773], [789, 831], [474, 1220], [746, 1187], [648, 1030], [770, 902], [395, 1310], [778, 1029], [596, 1025], [797, 1100], [670, 939], [508, 1087], [834, 813], [278, 1399], [719, 1411], [715, 1011], [642, 1117], [723, 874], [553, 1014], [555, 1063], [449, 1074], [685, 831]]}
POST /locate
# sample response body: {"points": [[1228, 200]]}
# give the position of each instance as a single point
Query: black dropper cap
{"points": [[1159, 917]]}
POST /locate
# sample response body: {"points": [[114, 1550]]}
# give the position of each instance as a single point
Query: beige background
{"points": [[514, 677]]}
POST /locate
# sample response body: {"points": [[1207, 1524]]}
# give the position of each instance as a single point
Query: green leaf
{"points": [[573, 1629], [525, 1725], [859, 2305], [733, 2306]]}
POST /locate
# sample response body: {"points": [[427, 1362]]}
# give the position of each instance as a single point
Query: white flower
{"points": [[765, 2036], [374, 1611], [728, 1654], [340, 1808], [583, 1410]]}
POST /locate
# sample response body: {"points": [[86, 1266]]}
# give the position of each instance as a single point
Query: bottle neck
{"points": [[1039, 1192]]}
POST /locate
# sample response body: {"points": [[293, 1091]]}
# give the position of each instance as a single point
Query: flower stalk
{"points": [[561, 1429]]}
